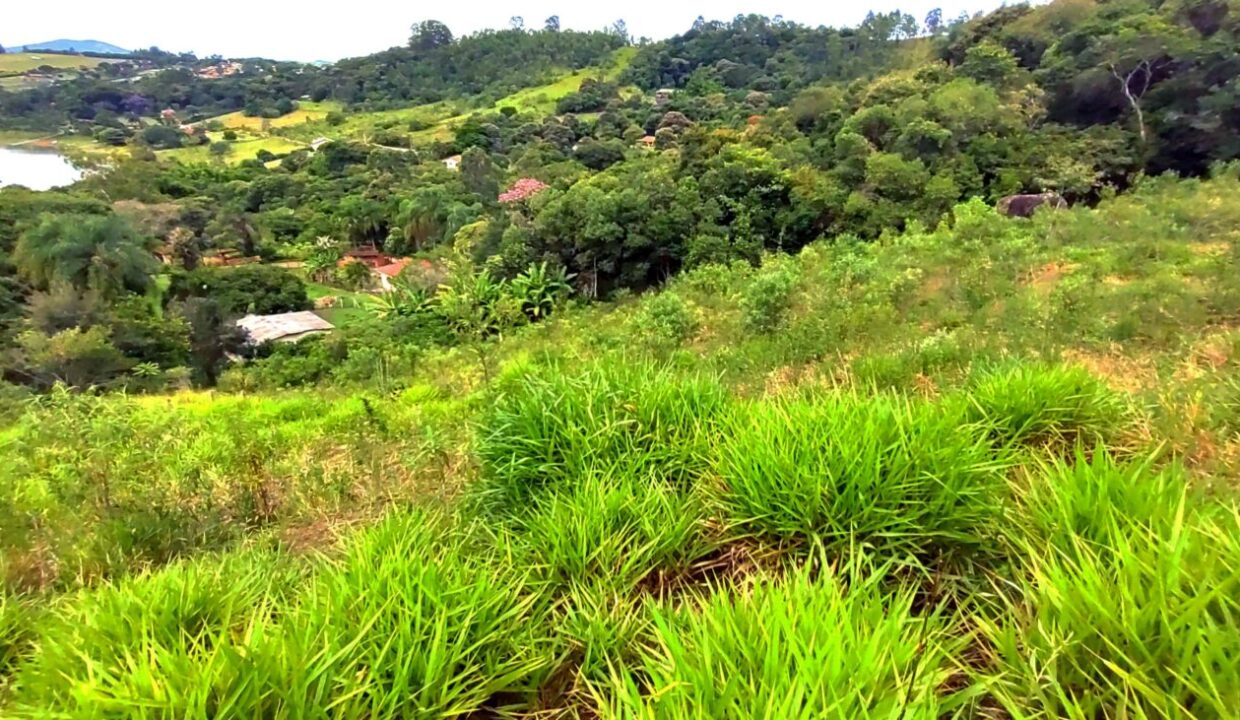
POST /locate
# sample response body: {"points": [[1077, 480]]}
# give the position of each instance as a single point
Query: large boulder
{"points": [[1026, 205]]}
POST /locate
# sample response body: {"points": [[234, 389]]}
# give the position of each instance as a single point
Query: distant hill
{"points": [[82, 46]]}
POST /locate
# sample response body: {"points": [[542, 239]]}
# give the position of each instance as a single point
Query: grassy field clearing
{"points": [[306, 112], [350, 307], [436, 120], [15, 137], [17, 63], [244, 148]]}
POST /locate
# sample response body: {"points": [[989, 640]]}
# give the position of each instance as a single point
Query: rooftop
{"points": [[264, 328], [394, 268]]}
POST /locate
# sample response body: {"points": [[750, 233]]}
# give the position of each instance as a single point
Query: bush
{"points": [[910, 481], [665, 317], [633, 420], [1039, 405], [821, 644], [766, 299]]}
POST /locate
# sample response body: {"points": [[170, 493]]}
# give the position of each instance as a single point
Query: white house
{"points": [[452, 163]]}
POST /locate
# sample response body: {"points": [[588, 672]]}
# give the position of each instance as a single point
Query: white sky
{"points": [[317, 30]]}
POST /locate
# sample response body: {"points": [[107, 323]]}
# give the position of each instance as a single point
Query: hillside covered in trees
{"points": [[760, 371]]}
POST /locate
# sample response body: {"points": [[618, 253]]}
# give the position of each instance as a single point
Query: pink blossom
{"points": [[523, 189]]}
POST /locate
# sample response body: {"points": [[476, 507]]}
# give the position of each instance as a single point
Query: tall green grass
{"points": [[97, 487], [161, 645], [555, 427], [908, 481], [1126, 604], [823, 643], [415, 621], [1041, 405], [418, 619], [615, 531]]}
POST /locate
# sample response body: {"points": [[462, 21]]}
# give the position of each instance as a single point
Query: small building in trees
{"points": [[385, 274], [663, 96], [284, 327], [369, 255], [452, 163]]}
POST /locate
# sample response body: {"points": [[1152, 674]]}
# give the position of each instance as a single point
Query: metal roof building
{"points": [[285, 327]]}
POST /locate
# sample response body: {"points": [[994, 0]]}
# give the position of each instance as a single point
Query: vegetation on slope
{"points": [[937, 463], [996, 490]]}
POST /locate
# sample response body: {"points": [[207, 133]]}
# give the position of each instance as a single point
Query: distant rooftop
{"points": [[285, 326], [394, 268]]}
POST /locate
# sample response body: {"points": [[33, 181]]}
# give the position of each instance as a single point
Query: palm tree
{"points": [[102, 253]]}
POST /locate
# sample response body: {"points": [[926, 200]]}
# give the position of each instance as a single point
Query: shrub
{"points": [[1046, 405], [908, 480], [766, 299], [665, 318], [816, 645], [634, 420]]}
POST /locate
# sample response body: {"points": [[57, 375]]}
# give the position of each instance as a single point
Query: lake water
{"points": [[36, 169]]}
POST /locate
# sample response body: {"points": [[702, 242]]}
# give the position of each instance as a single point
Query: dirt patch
{"points": [[934, 285], [1044, 279], [32, 570], [1126, 373], [321, 534], [1210, 249], [561, 694], [730, 564]]}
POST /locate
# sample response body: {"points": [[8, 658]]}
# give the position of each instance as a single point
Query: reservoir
{"points": [[36, 169]]}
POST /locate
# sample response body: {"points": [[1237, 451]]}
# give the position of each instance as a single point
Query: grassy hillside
{"points": [[245, 147], [306, 112], [428, 123], [17, 63], [985, 469]]}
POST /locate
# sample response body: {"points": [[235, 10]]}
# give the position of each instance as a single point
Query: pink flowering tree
{"points": [[522, 190]]}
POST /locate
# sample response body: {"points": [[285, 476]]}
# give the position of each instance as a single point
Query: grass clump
{"points": [[631, 420], [1092, 496], [161, 643], [818, 644], [1046, 405], [907, 480], [615, 531], [419, 619], [1140, 625]]}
